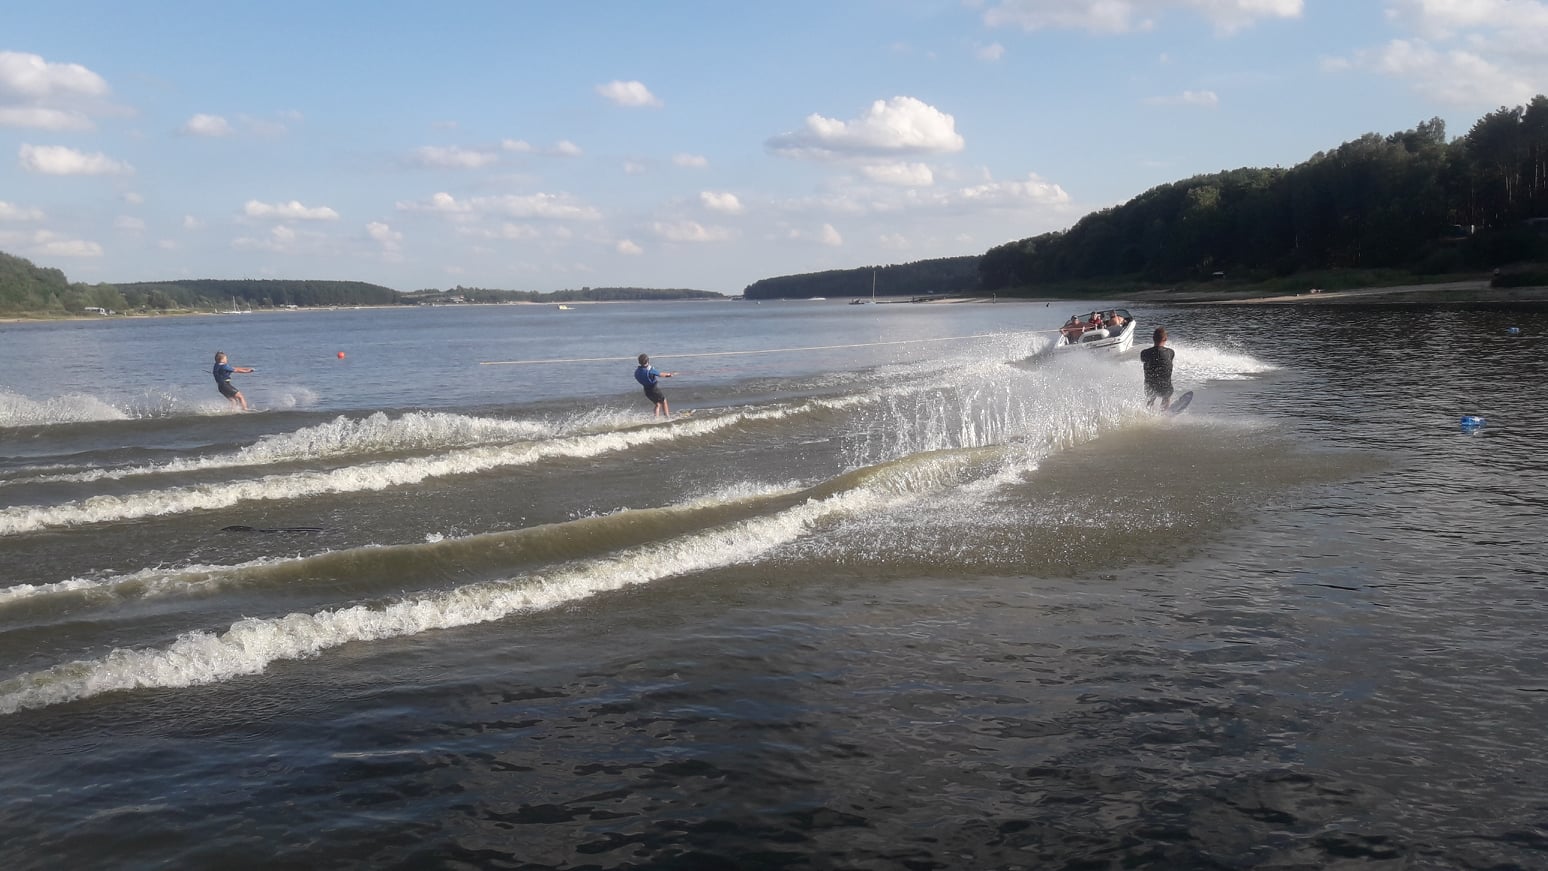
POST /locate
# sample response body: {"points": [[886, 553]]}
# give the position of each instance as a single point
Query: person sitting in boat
{"points": [[1114, 320], [1072, 329], [1096, 321]]}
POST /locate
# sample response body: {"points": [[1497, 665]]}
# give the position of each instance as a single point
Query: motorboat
{"points": [[1083, 332]]}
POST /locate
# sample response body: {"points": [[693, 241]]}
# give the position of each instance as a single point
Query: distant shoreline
{"points": [[1451, 293], [44, 317]]}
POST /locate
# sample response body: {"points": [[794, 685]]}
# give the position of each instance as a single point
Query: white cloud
{"points": [[695, 161], [893, 242], [133, 198], [59, 160], [13, 212], [280, 239], [291, 211], [388, 238], [1473, 54], [507, 231], [633, 167], [48, 244], [901, 125], [192, 223], [827, 235], [990, 53], [627, 246], [1456, 76], [453, 157], [206, 125], [38, 94], [1011, 194], [548, 206], [1445, 19], [901, 174], [725, 203], [168, 244], [562, 148], [690, 231], [30, 77], [129, 224], [1125, 16], [631, 94], [1204, 99], [384, 234]]}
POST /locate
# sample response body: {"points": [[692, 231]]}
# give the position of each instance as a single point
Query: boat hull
{"points": [[1110, 344]]}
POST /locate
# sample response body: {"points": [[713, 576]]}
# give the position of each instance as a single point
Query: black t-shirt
{"points": [[1158, 364]]}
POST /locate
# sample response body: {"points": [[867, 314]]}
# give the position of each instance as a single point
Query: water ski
{"points": [[304, 529], [1181, 403]]}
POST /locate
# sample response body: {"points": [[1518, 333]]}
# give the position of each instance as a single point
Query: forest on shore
{"points": [[28, 289], [1411, 201], [944, 275]]}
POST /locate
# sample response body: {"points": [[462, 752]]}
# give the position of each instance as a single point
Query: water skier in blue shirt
{"points": [[648, 375], [223, 372]]}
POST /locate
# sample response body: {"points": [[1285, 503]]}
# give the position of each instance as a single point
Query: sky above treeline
{"points": [[541, 146]]}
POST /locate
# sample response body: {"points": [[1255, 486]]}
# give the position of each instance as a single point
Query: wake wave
{"points": [[377, 433], [250, 645], [438, 554], [376, 476]]}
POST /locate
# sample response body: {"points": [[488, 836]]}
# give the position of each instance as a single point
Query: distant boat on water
{"points": [[564, 308], [863, 300], [236, 311]]}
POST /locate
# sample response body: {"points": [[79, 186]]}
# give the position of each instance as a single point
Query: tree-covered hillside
{"points": [[1411, 200], [946, 275], [25, 287], [255, 293], [584, 294]]}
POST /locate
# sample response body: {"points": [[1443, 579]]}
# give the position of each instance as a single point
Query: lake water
{"points": [[904, 592]]}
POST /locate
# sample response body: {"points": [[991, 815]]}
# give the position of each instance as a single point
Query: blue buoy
{"points": [[1513, 331], [1471, 422]]}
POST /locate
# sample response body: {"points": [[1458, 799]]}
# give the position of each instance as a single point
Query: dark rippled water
{"points": [[916, 604]]}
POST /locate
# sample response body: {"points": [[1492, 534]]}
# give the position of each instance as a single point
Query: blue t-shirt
{"points": [[223, 373], [646, 375]]}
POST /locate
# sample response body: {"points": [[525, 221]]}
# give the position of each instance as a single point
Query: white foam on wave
{"points": [[249, 646], [373, 476], [199, 578], [69, 408], [341, 436], [18, 410]]}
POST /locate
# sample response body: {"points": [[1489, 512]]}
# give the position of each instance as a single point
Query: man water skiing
{"points": [[1157, 360], [647, 375]]}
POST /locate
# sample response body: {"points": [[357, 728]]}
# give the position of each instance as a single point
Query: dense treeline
{"points": [[255, 293], [584, 294], [919, 278], [1411, 200], [26, 287], [29, 289]]}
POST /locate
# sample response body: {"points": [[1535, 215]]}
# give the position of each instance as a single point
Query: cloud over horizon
{"points": [[901, 125]]}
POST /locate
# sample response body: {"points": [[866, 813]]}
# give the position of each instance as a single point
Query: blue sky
{"points": [[539, 146]]}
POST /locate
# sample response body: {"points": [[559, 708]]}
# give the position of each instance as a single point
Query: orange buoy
{"points": [[341, 355]]}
